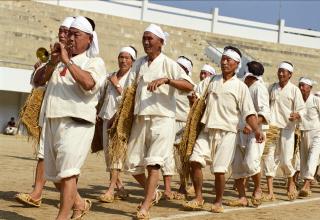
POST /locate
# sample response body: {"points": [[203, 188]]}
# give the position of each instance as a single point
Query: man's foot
{"points": [[292, 193], [142, 214], [168, 196], [121, 194], [305, 192], [193, 205], [26, 199], [243, 202], [107, 197], [217, 208], [78, 213], [256, 198], [268, 197]]}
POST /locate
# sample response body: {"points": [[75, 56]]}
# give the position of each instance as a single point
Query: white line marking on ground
{"points": [[200, 213]]}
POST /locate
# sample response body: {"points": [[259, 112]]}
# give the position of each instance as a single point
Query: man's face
{"points": [[125, 61], [305, 89], [228, 65], [204, 74], [63, 34], [151, 43], [78, 41], [283, 75]]}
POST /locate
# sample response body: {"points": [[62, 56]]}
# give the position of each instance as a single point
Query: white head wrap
{"points": [[209, 69], [251, 74], [287, 66], [156, 30], [235, 56], [307, 81], [67, 22], [186, 63], [130, 51], [84, 25]]}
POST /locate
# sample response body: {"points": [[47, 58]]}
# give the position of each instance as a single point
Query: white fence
{"points": [[215, 23]]}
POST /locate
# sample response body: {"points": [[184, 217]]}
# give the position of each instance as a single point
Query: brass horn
{"points": [[42, 54]]}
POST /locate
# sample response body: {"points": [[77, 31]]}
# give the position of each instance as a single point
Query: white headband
{"points": [[67, 22], [186, 63], [286, 66], [130, 51], [235, 56], [156, 30], [84, 25], [307, 81], [251, 74], [209, 69]]}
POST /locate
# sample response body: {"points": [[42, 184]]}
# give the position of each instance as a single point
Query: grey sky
{"points": [[300, 14]]}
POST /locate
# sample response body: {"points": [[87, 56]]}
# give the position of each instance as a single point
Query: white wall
{"points": [[150, 12]]}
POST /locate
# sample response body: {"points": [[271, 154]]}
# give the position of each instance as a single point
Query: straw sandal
{"points": [[121, 194], [106, 198], [217, 209], [179, 196], [141, 215], [305, 193], [157, 197], [268, 198], [256, 201], [87, 206], [25, 198], [168, 197], [292, 195], [237, 203], [193, 205]]}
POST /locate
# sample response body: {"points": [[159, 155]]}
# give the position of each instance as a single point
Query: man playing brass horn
{"points": [[228, 100], [34, 198], [73, 84]]}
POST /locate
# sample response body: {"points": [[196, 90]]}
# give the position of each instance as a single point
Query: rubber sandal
{"points": [[26, 199]]}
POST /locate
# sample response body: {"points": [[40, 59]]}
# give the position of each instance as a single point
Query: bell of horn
{"points": [[42, 54]]}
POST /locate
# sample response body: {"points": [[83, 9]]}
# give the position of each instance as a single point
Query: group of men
{"points": [[236, 119]]}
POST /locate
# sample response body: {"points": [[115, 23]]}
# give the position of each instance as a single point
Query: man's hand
{"points": [[37, 64], [294, 116], [247, 129], [156, 83], [259, 136], [55, 53], [64, 54], [192, 97], [113, 79]]}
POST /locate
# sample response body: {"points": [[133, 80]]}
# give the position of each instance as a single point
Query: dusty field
{"points": [[17, 173]]}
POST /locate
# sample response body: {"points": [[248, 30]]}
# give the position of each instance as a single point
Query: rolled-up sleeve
{"points": [[263, 108], [96, 68]]}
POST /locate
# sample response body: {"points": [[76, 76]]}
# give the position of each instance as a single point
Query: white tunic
{"points": [[162, 101], [66, 98], [311, 120], [260, 97], [112, 97], [284, 101], [227, 102]]}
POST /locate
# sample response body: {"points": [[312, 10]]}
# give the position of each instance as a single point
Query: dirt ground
{"points": [[17, 166]]}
